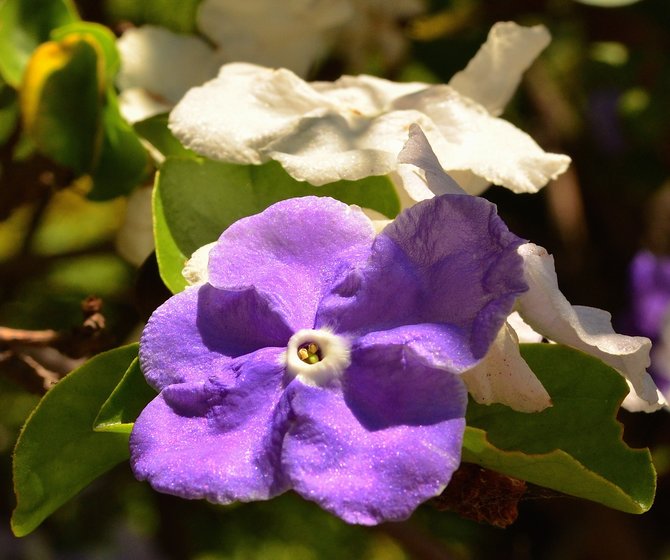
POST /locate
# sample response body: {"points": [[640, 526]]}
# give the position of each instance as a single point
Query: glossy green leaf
{"points": [[155, 131], [58, 453], [61, 101], [178, 16], [196, 199], [123, 162], [101, 36], [169, 256], [575, 446], [124, 405], [24, 24]]}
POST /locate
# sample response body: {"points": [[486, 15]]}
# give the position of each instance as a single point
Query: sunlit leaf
{"points": [[196, 199], [24, 24], [58, 453], [61, 101], [575, 446], [124, 405], [98, 34]]}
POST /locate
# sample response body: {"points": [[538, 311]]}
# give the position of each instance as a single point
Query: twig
{"points": [[21, 361]]}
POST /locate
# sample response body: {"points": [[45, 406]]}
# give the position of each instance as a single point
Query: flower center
{"points": [[309, 353], [316, 356]]}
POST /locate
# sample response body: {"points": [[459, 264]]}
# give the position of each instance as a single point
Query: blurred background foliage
{"points": [[599, 93]]}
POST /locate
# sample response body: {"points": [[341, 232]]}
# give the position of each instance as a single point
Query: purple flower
{"points": [[323, 358], [650, 293]]}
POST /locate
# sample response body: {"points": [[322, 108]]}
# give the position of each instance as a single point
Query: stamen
{"points": [[316, 356], [309, 353]]}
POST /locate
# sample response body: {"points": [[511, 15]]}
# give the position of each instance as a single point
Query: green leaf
{"points": [[99, 35], [9, 112], [124, 405], [123, 162], [155, 130], [178, 16], [61, 101], [24, 24], [169, 257], [196, 199], [575, 446], [58, 453]]}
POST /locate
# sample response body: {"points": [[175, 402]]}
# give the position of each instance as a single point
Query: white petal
{"points": [[420, 171], [165, 63], [352, 128], [633, 402], [492, 76], [331, 148], [547, 311], [137, 104], [195, 269], [523, 330], [233, 117], [470, 139], [135, 240], [504, 377], [293, 35]]}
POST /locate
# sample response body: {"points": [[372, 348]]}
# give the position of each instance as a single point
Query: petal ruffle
{"points": [[353, 128], [547, 311], [472, 142], [450, 260], [234, 116], [375, 452], [197, 332], [289, 261], [213, 441], [420, 171], [494, 73], [504, 377]]}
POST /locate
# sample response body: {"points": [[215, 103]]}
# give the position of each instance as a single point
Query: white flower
{"points": [[352, 128], [195, 270], [543, 312], [159, 66], [588, 329]]}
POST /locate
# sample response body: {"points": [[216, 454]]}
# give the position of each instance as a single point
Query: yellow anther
{"points": [[303, 354]]}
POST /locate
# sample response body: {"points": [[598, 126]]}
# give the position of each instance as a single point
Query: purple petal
{"points": [[650, 291], [439, 346], [291, 253], [389, 442], [195, 334], [208, 440], [448, 260]]}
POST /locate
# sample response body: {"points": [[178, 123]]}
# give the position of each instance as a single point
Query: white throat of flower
{"points": [[316, 357]]}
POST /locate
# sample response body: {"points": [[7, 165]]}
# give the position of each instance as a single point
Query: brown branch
{"points": [[11, 336], [38, 359]]}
